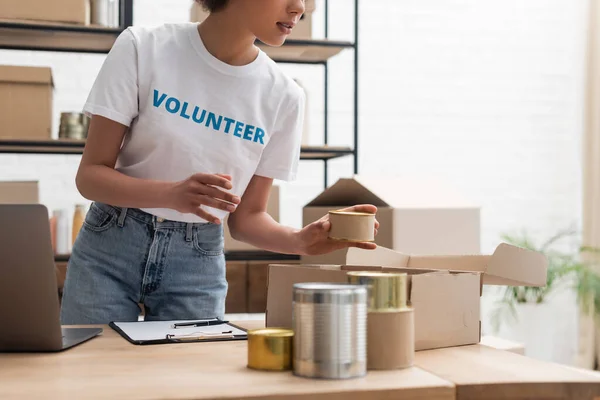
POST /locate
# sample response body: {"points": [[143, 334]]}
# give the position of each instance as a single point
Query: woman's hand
{"points": [[313, 238], [202, 190]]}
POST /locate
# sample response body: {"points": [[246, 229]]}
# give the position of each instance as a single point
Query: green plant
{"points": [[571, 268]]}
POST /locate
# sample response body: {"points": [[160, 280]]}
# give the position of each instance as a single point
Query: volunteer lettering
{"points": [[209, 119]]}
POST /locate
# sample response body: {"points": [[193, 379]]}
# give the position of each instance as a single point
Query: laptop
{"points": [[29, 303]]}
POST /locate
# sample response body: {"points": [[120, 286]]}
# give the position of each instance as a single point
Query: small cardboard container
{"points": [[444, 290], [65, 11], [384, 354], [25, 102], [273, 206], [415, 216], [19, 192]]}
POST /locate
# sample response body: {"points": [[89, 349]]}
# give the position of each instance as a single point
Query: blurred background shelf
{"points": [[32, 35], [65, 146], [306, 51], [47, 36]]}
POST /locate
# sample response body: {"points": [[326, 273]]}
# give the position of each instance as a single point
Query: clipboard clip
{"points": [[196, 336]]}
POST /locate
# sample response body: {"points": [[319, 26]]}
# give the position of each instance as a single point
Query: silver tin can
{"points": [[330, 330], [73, 125]]}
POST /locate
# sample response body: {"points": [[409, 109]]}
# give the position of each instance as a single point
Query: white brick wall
{"points": [[485, 94]]}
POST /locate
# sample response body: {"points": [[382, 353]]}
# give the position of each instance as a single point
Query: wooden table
{"points": [[481, 372], [108, 367]]}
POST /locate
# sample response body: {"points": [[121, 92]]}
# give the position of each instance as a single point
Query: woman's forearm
{"points": [[261, 230], [107, 185]]}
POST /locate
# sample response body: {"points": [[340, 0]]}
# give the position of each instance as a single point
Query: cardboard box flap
{"points": [[509, 265], [347, 192], [18, 74], [379, 256], [515, 266]]}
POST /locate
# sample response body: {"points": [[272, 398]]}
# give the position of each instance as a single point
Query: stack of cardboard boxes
{"points": [[25, 102], [55, 11]]}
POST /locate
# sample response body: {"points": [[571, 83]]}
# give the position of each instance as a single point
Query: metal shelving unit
{"points": [[99, 40]]}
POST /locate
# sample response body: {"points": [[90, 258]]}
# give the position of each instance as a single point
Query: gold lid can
{"points": [[270, 349], [386, 291]]}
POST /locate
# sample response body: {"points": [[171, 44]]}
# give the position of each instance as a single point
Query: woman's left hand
{"points": [[314, 240]]}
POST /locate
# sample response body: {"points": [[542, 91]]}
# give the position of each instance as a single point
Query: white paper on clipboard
{"points": [[157, 331]]}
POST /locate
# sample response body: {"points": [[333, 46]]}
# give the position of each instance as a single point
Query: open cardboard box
{"points": [[417, 216], [445, 291]]}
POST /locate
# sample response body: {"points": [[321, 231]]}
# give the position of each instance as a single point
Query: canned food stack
{"points": [[329, 321], [73, 125], [390, 321]]}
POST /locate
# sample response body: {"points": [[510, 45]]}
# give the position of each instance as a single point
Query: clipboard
{"points": [[164, 332]]}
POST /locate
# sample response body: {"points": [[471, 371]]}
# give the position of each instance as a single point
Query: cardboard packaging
{"points": [[66, 11], [384, 354], [352, 226], [25, 102], [19, 192], [416, 217], [302, 31], [272, 209], [444, 290]]}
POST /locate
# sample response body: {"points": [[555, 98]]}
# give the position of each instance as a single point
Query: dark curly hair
{"points": [[212, 5]]}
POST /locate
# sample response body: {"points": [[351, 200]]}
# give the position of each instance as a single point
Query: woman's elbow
{"points": [[81, 182], [233, 226]]}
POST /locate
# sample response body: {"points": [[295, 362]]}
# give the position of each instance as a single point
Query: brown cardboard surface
{"points": [[23, 89], [273, 206], [280, 284], [416, 217], [68, 11], [444, 290], [19, 192], [446, 305], [508, 265], [390, 340]]}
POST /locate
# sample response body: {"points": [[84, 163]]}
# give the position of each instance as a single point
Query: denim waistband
{"points": [[147, 218]]}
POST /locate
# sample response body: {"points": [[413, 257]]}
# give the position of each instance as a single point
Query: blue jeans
{"points": [[126, 257]]}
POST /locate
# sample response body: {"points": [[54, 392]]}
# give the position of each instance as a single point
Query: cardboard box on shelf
{"points": [[444, 290], [65, 11], [415, 216], [25, 102], [272, 209], [302, 31], [19, 192]]}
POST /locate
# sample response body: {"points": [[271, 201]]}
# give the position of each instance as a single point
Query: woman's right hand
{"points": [[203, 190]]}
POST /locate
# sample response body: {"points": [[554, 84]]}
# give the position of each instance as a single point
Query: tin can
{"points": [[270, 349], [105, 13], [330, 335], [386, 291], [352, 226], [73, 125]]}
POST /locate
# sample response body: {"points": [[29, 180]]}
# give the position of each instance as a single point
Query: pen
{"points": [[198, 323]]}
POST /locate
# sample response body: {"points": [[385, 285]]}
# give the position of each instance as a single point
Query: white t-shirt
{"points": [[189, 112]]}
